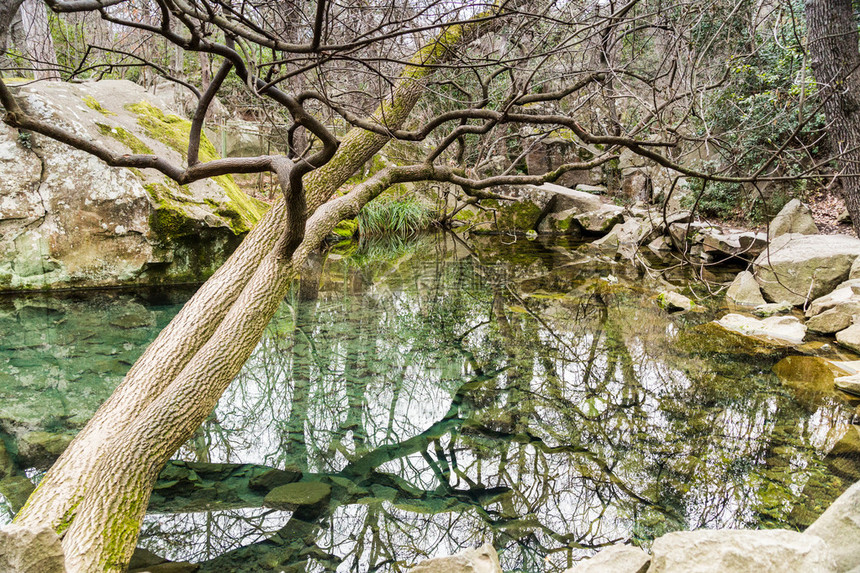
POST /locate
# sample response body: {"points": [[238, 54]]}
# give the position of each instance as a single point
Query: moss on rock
{"points": [[93, 103], [241, 212], [125, 137]]}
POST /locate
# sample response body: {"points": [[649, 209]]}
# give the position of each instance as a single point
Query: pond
{"points": [[439, 393]]}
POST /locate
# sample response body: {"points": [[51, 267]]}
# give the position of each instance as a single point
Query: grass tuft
{"points": [[394, 215]]}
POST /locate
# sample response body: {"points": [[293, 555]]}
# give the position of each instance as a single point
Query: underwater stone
{"points": [[273, 478], [740, 551], [674, 302], [839, 527], [615, 559], [484, 559], [294, 495]]}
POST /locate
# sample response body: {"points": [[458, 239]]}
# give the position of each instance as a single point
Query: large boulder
{"points": [[850, 337], [615, 559], [600, 221], [740, 551], [836, 310], [797, 268], [795, 217], [839, 527], [734, 243], [481, 560], [30, 550], [744, 291], [69, 220]]}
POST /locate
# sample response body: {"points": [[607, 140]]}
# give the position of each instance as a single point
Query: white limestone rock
{"points": [[740, 551], [614, 559], [781, 330], [839, 527], [481, 560], [797, 268]]}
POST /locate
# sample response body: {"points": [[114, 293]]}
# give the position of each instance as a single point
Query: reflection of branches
{"points": [[452, 406]]}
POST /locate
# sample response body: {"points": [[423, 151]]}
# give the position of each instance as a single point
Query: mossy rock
{"points": [[125, 137], [241, 212], [512, 216], [346, 229], [303, 494]]}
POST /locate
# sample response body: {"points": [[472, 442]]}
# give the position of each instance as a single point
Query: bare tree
{"points": [[327, 67]]}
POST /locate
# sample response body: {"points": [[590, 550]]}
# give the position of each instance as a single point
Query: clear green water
{"points": [[450, 393]]}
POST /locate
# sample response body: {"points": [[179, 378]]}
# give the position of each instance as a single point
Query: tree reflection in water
{"points": [[453, 394]]}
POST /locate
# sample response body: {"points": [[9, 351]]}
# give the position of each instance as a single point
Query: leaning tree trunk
{"points": [[95, 495], [833, 46]]}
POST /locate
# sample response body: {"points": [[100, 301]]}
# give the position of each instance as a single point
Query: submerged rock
{"points": [[795, 217], [797, 268], [740, 551], [481, 560], [839, 527], [786, 330], [30, 550], [772, 308], [615, 559], [293, 495], [674, 302], [744, 291]]}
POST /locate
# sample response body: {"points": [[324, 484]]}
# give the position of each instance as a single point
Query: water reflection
{"points": [[528, 395], [449, 393]]}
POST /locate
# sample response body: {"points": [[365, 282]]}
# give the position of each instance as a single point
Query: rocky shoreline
{"points": [[829, 545]]}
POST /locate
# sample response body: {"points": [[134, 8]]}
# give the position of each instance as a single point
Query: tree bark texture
{"points": [[835, 59]]}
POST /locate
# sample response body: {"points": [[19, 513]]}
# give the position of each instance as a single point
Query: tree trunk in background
{"points": [[833, 47], [10, 30], [40, 45]]}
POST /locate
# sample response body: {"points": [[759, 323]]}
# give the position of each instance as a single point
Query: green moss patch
{"points": [[93, 103], [171, 130], [125, 137], [346, 229], [169, 220], [241, 211]]}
